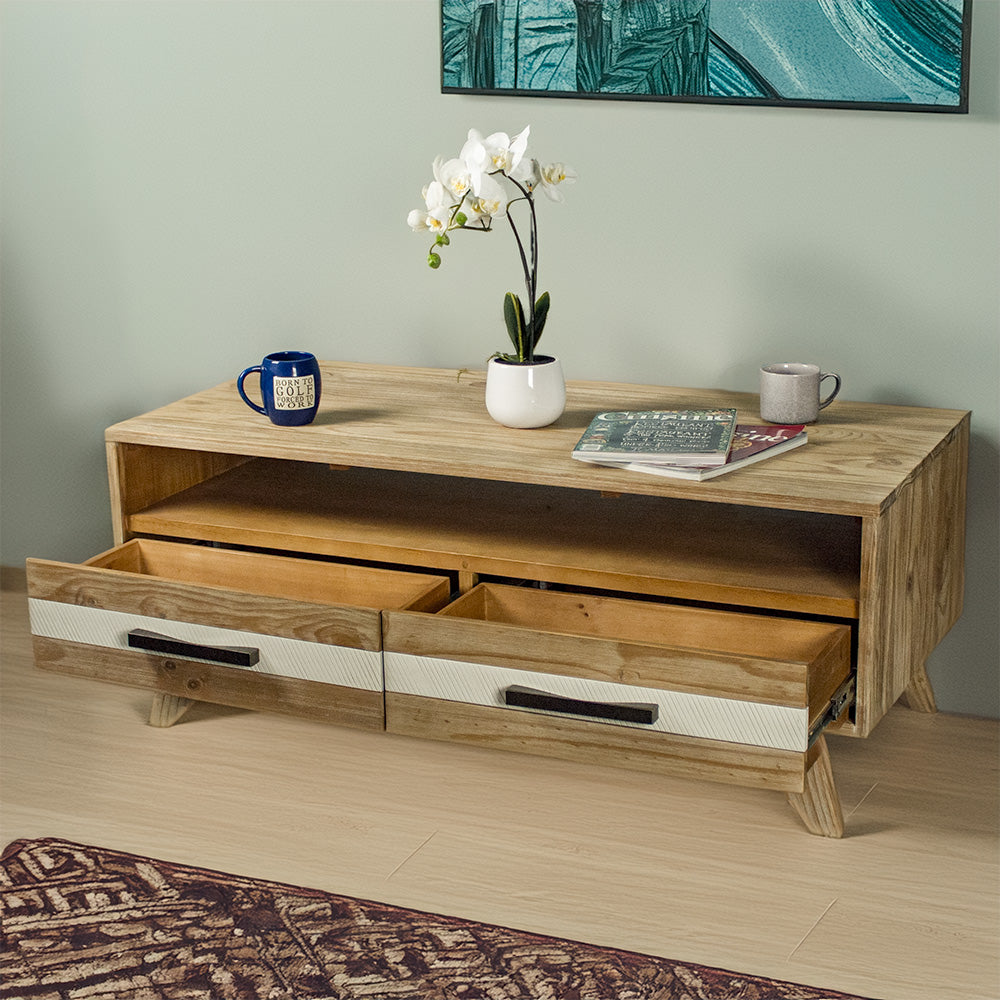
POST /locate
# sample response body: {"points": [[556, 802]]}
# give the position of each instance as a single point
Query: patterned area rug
{"points": [[85, 922]]}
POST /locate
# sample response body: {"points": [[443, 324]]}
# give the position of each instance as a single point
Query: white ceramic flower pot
{"points": [[525, 395]]}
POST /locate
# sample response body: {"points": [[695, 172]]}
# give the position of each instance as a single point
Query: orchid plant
{"points": [[469, 192]]}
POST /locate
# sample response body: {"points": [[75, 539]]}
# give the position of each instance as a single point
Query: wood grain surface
{"points": [[434, 420]]}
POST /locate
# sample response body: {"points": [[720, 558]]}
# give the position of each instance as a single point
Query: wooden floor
{"points": [[904, 908]]}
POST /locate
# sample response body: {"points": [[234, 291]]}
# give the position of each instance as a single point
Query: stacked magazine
{"points": [[683, 444]]}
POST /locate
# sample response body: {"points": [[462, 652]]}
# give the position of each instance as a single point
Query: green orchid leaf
{"points": [[513, 314], [538, 319]]}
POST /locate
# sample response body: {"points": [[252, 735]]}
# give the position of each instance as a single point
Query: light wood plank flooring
{"points": [[904, 908]]}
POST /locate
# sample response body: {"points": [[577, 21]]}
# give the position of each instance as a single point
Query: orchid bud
{"points": [[433, 260]]}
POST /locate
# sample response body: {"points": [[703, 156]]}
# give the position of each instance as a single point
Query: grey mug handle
{"points": [[836, 387]]}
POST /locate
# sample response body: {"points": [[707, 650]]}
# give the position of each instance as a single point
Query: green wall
{"points": [[187, 185]]}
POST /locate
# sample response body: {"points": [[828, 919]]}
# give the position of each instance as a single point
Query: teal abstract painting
{"points": [[881, 54]]}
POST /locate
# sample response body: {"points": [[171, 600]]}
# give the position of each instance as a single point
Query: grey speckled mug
{"points": [[789, 392]]}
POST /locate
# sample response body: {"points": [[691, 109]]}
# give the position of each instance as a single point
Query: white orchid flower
{"points": [[454, 176], [437, 213], [495, 153], [527, 173], [553, 174], [439, 219], [435, 221], [504, 153], [475, 216], [491, 199]]}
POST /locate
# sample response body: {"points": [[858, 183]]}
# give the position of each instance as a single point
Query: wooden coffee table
{"points": [[442, 563]]}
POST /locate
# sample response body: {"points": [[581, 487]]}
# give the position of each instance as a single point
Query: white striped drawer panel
{"points": [[779, 727], [312, 661]]}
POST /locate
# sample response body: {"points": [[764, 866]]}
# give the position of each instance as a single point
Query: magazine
{"points": [[751, 443], [662, 437]]}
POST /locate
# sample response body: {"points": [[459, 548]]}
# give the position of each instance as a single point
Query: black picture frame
{"points": [[884, 55]]}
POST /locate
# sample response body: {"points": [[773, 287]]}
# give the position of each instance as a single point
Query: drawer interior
{"points": [[310, 581], [785, 639]]}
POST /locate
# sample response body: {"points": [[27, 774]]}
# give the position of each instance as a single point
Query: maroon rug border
{"points": [[21, 843]]}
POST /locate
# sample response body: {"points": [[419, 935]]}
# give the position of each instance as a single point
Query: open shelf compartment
{"points": [[759, 557]]}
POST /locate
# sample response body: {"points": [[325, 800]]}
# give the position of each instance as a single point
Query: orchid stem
{"points": [[530, 273]]}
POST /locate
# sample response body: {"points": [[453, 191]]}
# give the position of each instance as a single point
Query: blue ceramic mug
{"points": [[289, 387]]}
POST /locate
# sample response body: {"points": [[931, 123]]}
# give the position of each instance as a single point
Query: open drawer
{"points": [[730, 696], [237, 628]]}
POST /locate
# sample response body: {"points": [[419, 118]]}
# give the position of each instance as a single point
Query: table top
{"points": [[859, 455]]}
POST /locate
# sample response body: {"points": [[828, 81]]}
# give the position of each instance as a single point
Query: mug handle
{"points": [[829, 399], [239, 388]]}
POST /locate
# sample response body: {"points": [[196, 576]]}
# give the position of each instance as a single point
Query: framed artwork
{"points": [[903, 55]]}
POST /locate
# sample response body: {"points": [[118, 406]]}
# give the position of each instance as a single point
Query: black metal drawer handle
{"points": [[241, 656], [525, 697]]}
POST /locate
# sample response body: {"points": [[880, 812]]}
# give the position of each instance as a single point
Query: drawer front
{"points": [[312, 661], [690, 678], [237, 628], [780, 727]]}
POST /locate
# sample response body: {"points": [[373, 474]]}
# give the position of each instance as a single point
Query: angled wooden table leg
{"points": [[818, 804], [167, 709], [919, 696]]}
